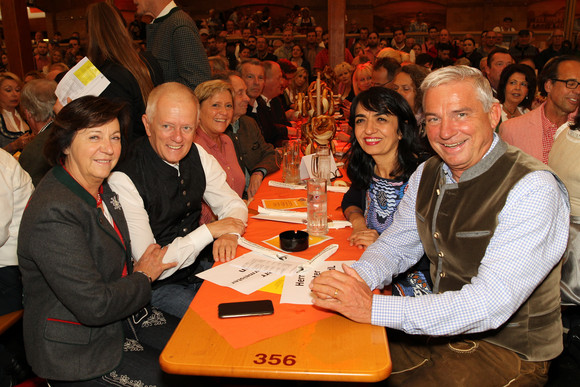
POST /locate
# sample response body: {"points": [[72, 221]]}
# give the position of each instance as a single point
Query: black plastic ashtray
{"points": [[293, 240]]}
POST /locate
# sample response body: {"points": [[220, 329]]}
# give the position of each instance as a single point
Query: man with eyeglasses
{"points": [[534, 132], [384, 71], [557, 48]]}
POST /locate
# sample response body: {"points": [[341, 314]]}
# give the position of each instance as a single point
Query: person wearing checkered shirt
{"points": [[174, 41], [494, 223], [534, 132]]}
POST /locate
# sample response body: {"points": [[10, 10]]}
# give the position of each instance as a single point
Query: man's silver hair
{"points": [[451, 74], [38, 98]]}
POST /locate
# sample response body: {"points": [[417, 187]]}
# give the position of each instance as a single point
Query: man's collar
{"points": [[495, 151], [235, 125], [48, 123], [546, 120], [203, 138], [255, 105], [165, 11], [266, 100]]}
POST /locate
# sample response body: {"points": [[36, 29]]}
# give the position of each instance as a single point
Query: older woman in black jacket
{"points": [[86, 314]]}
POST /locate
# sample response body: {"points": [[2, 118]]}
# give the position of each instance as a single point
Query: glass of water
{"points": [[317, 215], [321, 163]]}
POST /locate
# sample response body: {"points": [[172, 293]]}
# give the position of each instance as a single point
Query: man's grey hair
{"points": [[249, 61], [38, 98], [451, 74]]}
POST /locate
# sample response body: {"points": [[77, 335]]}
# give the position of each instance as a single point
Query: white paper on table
{"points": [[264, 251], [297, 286], [281, 215], [270, 211], [253, 261], [279, 184], [279, 218], [330, 188], [243, 280], [306, 168], [83, 79], [288, 216], [337, 224]]}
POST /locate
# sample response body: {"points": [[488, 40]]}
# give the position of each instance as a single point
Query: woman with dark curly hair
{"points": [[385, 151], [516, 90]]}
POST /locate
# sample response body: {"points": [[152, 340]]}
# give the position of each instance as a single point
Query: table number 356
{"points": [[262, 358]]}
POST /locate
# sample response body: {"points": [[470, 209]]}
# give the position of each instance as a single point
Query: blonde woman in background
{"points": [[216, 99], [298, 84], [362, 79], [14, 131], [343, 72], [390, 53]]}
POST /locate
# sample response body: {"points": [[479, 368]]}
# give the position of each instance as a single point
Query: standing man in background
{"points": [[174, 41]]}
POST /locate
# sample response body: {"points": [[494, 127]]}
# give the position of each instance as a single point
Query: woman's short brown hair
{"points": [[208, 89], [82, 113]]}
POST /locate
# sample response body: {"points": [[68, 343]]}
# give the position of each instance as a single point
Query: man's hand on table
{"points": [[345, 293], [225, 244], [224, 248], [255, 181], [226, 226]]}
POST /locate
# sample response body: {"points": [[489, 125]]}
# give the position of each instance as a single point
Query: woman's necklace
{"points": [[510, 114]]}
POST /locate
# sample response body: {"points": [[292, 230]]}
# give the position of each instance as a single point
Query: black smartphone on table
{"points": [[245, 309]]}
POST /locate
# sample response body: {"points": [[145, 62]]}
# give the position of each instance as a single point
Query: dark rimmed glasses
{"points": [[570, 83]]}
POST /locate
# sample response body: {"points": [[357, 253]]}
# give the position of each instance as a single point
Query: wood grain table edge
{"points": [[173, 359]]}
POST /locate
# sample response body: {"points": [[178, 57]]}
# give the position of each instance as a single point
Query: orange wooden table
{"points": [[298, 342]]}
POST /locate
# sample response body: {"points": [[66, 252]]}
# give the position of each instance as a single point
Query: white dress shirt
{"points": [[223, 201], [15, 190]]}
